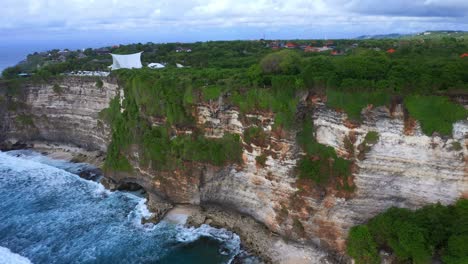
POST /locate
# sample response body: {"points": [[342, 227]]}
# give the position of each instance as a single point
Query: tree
{"points": [[285, 62], [361, 246], [11, 72]]}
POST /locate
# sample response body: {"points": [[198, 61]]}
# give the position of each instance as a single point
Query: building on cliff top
{"points": [[128, 61], [156, 65]]}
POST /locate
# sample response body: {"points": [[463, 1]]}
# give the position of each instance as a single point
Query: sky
{"points": [[183, 20], [29, 25]]}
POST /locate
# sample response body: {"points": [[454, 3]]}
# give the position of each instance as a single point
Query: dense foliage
{"points": [[267, 80], [156, 106], [416, 236]]}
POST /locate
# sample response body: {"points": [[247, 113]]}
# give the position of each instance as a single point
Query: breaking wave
{"points": [[8, 257], [50, 215]]}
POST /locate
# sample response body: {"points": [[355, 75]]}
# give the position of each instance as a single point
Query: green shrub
{"points": [[371, 137], [115, 160], [457, 250], [255, 135], [11, 72], [456, 146], [435, 113], [57, 89], [361, 246], [285, 62], [414, 236], [321, 164], [99, 83], [25, 120], [261, 160]]}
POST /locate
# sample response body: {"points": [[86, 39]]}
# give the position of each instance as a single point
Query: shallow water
{"points": [[50, 215]]}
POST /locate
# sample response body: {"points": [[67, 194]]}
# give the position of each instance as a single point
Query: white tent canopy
{"points": [[128, 61]]}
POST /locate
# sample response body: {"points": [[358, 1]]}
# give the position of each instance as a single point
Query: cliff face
{"points": [[403, 168], [62, 111]]}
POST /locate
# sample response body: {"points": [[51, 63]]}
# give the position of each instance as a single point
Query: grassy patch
{"points": [[211, 93], [435, 113], [353, 103]]}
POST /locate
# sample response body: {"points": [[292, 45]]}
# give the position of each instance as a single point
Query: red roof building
{"points": [[391, 51], [310, 49], [291, 45], [464, 55]]}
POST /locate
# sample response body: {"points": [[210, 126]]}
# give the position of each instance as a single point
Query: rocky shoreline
{"points": [[256, 238]]}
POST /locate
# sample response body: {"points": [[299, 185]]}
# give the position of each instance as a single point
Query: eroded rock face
{"points": [[62, 111], [403, 168], [399, 170]]}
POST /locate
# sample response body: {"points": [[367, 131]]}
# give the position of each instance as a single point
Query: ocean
{"points": [[50, 215], [14, 51]]}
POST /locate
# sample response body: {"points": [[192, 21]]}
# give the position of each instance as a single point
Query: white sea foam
{"points": [[8, 257], [230, 240], [48, 169], [72, 167], [140, 212]]}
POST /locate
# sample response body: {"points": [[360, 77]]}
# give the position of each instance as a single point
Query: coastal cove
{"points": [[50, 215]]}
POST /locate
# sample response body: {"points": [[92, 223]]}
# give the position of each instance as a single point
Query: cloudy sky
{"points": [[123, 21]]}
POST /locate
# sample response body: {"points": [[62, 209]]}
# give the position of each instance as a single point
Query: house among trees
{"points": [[329, 43], [310, 49], [156, 65], [390, 51], [275, 45], [337, 53], [291, 45], [102, 51], [464, 55], [316, 49], [182, 49]]}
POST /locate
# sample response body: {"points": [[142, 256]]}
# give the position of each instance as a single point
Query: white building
{"points": [[128, 61], [156, 65]]}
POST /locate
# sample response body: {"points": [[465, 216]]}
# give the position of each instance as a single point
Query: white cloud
{"points": [[140, 14]]}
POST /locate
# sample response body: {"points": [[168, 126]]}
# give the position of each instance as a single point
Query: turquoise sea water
{"points": [[50, 215]]}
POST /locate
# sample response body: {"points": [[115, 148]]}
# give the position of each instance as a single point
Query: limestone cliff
{"points": [[62, 111], [403, 168]]}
